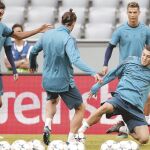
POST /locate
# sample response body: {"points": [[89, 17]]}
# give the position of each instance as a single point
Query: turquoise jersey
{"points": [[131, 40], [60, 52], [134, 83], [5, 32]]}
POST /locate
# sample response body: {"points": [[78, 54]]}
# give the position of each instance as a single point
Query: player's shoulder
{"points": [[121, 26]]}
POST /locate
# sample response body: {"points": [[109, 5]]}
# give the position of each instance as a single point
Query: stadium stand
{"points": [[90, 14], [16, 3], [100, 31]]}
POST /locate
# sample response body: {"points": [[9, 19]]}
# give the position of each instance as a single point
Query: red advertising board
{"points": [[23, 107]]}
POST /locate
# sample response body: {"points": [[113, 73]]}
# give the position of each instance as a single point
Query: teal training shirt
{"points": [[5, 32], [134, 81], [60, 52], [131, 40]]}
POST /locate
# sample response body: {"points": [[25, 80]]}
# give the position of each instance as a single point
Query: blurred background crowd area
{"points": [[96, 19]]}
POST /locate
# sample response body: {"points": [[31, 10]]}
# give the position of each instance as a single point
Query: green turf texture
{"points": [[93, 142]]}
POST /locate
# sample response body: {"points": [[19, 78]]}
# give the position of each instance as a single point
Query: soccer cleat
{"points": [[116, 127], [46, 135]]}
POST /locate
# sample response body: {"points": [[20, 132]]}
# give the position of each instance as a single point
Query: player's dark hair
{"points": [[2, 5], [69, 18], [133, 5], [147, 47], [17, 25]]}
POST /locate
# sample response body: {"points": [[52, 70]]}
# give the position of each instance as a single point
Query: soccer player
{"points": [[132, 36], [6, 42], [60, 52], [5, 32], [129, 97]]}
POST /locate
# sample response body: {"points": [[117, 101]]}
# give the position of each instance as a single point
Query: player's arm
{"points": [[11, 60], [117, 72], [22, 35], [108, 53], [33, 55], [74, 57], [107, 57]]}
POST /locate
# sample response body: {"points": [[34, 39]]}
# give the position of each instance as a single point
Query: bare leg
{"points": [[76, 121], [141, 134], [51, 108], [95, 117]]}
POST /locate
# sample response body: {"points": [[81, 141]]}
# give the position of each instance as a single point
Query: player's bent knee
{"points": [[81, 107], [144, 139], [107, 107]]}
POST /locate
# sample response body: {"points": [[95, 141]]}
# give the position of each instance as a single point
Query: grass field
{"points": [[93, 142]]}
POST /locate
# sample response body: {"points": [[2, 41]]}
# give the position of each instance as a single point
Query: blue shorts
{"points": [[1, 86], [131, 115], [71, 98]]}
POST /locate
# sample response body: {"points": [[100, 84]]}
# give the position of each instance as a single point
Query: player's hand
{"points": [[104, 70], [46, 27], [98, 78], [90, 95], [16, 76]]}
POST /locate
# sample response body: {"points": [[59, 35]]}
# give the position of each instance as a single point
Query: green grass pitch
{"points": [[93, 142]]}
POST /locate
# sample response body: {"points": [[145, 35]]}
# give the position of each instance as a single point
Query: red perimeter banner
{"points": [[23, 110]]}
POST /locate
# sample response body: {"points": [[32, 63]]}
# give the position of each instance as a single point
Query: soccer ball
{"points": [[125, 145], [36, 144], [4, 145], [129, 145], [57, 145], [134, 145], [20, 145], [116, 146], [107, 145], [76, 146]]}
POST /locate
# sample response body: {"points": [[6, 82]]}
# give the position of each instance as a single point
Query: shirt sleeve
{"points": [[115, 37], [7, 31], [8, 42], [117, 72], [34, 52], [74, 57], [29, 51]]}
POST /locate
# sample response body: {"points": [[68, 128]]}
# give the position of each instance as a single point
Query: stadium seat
{"points": [[51, 3], [75, 3], [105, 3], [41, 14], [98, 31], [14, 15], [77, 31], [142, 3], [102, 15], [123, 15], [15, 3], [79, 11]]}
